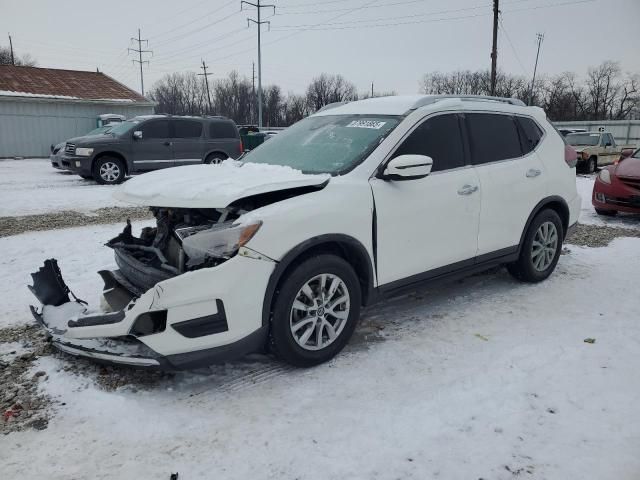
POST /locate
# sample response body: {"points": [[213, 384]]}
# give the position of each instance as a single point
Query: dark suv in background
{"points": [[151, 142]]}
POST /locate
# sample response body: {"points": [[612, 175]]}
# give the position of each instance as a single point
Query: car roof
{"points": [[403, 104]]}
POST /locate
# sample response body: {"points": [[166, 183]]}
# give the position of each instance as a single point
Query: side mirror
{"points": [[626, 153], [137, 135], [408, 167]]}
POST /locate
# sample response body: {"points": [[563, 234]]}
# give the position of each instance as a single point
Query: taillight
{"points": [[241, 148], [570, 156]]}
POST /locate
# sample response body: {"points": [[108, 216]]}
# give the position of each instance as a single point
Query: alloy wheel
{"points": [[109, 171], [545, 244], [319, 312]]}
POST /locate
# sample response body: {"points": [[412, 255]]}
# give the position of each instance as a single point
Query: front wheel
{"points": [[592, 165], [316, 311], [108, 171], [541, 248]]}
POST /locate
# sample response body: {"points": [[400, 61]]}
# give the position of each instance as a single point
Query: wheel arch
{"points": [[345, 246], [213, 152], [555, 203], [110, 153]]}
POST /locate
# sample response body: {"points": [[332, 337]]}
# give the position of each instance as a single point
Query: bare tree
{"points": [[25, 60], [327, 89]]}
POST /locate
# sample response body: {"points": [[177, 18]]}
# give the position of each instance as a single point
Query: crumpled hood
{"points": [[211, 186]]}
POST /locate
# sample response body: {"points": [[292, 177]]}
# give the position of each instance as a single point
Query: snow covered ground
{"points": [[483, 378], [32, 186], [588, 215]]}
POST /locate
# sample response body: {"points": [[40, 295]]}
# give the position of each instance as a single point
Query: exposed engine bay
{"points": [[182, 240]]}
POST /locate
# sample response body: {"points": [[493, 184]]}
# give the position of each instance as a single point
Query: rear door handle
{"points": [[468, 189], [533, 172]]}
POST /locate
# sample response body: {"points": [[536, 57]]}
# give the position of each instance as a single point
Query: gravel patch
{"points": [[596, 236], [69, 218]]}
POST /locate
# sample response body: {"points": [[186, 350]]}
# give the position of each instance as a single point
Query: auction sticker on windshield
{"points": [[366, 124]]}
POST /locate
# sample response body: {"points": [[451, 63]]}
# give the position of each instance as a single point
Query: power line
{"points": [[140, 61], [513, 48], [259, 23]]}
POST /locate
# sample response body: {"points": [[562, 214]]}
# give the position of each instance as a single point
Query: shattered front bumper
{"points": [[191, 320]]}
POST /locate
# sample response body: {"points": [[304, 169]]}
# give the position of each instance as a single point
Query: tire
{"points": [[294, 308], [215, 158], [108, 171], [533, 268], [592, 165], [606, 213]]}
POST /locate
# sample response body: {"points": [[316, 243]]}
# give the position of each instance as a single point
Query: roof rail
{"points": [[329, 106], [428, 100]]}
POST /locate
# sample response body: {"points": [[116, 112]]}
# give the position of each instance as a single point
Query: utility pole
{"points": [[259, 24], [253, 91], [371, 89], [13, 62], [139, 51], [494, 50], [540, 39], [206, 81]]}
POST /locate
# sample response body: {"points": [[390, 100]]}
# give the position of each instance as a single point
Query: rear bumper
{"points": [[195, 319]]}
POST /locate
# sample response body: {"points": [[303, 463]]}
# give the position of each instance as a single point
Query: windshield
{"points": [[100, 130], [331, 144], [583, 139], [123, 127]]}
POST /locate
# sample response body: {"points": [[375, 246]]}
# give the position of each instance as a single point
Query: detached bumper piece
{"points": [[60, 316]]}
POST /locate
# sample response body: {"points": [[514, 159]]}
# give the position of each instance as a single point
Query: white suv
{"points": [[355, 203]]}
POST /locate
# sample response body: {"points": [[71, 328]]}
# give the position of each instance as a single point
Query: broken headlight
{"points": [[221, 240]]}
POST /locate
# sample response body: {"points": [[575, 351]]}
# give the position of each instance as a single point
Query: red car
{"points": [[617, 186]]}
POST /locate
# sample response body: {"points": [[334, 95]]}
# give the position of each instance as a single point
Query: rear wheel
{"points": [[592, 165], [606, 213], [108, 170], [541, 248], [215, 158], [316, 311]]}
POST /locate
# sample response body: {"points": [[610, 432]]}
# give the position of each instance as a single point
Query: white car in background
{"points": [[355, 203]]}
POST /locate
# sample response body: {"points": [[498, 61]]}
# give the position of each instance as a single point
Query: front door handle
{"points": [[468, 189], [533, 172]]}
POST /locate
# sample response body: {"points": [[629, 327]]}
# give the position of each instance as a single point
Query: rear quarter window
{"points": [[223, 130], [531, 133], [493, 137]]}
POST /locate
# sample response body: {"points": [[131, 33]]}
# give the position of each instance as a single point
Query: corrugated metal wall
{"points": [[625, 132], [28, 127]]}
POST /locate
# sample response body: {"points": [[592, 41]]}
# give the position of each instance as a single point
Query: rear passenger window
{"points": [[187, 129], [223, 130], [439, 138], [493, 137], [531, 134], [155, 129]]}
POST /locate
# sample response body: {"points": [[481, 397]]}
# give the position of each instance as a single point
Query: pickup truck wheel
{"points": [[592, 165], [316, 311], [215, 158], [540, 249], [108, 170]]}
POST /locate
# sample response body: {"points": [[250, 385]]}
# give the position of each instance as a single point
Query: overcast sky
{"points": [[389, 42]]}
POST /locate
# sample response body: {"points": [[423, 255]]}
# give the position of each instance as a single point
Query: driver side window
{"points": [[155, 129], [438, 137]]}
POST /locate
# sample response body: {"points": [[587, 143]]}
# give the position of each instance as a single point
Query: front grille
{"points": [[633, 201], [631, 182], [70, 149]]}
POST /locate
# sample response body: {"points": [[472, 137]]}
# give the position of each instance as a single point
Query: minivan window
{"points": [[187, 129], [493, 137], [331, 144], [439, 138], [531, 134], [223, 130], [155, 129]]}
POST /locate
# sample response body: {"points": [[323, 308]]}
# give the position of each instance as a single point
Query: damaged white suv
{"points": [[282, 249]]}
